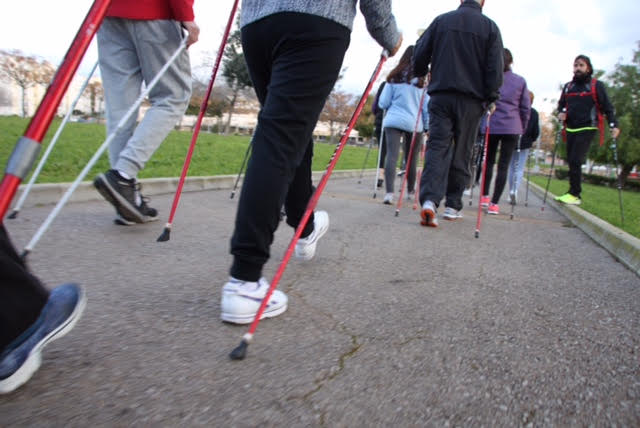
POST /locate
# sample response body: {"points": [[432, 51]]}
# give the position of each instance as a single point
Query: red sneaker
{"points": [[484, 201], [493, 209]]}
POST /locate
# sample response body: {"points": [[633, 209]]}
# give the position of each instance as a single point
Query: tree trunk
{"points": [[232, 106], [24, 101]]}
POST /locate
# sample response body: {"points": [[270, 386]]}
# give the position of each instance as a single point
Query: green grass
{"points": [[602, 202], [217, 155], [213, 154]]}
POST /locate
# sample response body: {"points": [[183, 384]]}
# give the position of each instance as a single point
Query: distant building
{"points": [[243, 120]]}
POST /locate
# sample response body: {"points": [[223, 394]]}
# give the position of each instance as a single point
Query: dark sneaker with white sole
{"points": [[122, 193], [21, 358]]}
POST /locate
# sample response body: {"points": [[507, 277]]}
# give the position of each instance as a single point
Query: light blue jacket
{"points": [[402, 103]]}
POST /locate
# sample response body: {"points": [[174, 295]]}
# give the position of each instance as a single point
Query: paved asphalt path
{"points": [[392, 324]]}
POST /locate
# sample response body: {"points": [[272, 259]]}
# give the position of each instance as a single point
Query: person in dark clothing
{"points": [[379, 115], [294, 52], [464, 49], [508, 123], [30, 316], [516, 169], [581, 105]]}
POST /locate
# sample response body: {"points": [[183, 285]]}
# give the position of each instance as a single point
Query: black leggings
{"points": [[577, 148], [507, 144]]}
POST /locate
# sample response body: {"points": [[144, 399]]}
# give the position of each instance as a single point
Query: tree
{"points": [[216, 105], [337, 110], [624, 92], [365, 125], [25, 71], [235, 71], [96, 93]]}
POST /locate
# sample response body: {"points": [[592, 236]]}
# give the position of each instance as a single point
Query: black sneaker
{"points": [[150, 213], [121, 193]]}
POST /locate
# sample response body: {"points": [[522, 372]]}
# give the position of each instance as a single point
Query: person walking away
{"points": [[582, 104], [294, 52], [401, 99], [464, 49], [135, 41], [508, 122], [31, 316], [378, 115], [516, 169]]}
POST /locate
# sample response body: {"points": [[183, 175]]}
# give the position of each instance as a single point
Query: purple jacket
{"points": [[513, 108]]}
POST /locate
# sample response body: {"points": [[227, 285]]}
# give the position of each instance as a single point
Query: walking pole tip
{"points": [[14, 214], [166, 234], [240, 351]]}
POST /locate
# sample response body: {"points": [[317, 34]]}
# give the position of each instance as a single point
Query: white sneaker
{"points": [[388, 199], [241, 301], [467, 192], [451, 214], [428, 214], [306, 247], [411, 195], [513, 198]]}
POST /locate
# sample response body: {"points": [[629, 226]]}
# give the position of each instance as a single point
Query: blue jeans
{"points": [[515, 175]]}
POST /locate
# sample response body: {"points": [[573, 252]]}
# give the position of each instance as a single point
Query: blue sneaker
{"points": [[21, 359]]}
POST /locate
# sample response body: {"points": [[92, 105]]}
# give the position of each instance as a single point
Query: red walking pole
{"points": [[28, 146], [166, 233], [410, 158], [484, 175], [241, 350]]}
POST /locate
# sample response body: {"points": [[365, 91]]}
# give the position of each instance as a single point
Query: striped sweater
{"points": [[377, 14]]}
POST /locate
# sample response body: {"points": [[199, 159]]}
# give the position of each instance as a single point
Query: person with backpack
{"points": [[581, 107]]}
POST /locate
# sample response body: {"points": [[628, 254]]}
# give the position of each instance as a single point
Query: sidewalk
{"points": [[392, 324]]}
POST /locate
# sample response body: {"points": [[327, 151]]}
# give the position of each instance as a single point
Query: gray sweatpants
{"points": [[131, 52]]}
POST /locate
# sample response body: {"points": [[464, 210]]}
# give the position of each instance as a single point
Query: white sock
{"points": [[124, 175]]}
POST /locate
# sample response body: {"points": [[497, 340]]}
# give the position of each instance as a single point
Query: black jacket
{"points": [[532, 132], [580, 107], [465, 50]]}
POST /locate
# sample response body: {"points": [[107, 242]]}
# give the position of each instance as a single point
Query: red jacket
{"points": [[179, 10]]}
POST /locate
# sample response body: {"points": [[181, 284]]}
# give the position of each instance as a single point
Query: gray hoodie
{"points": [[377, 14]]}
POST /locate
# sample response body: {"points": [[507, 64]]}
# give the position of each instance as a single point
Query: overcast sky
{"points": [[543, 35]]}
